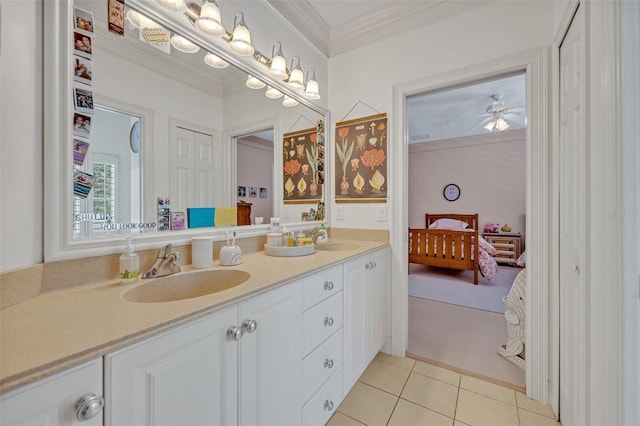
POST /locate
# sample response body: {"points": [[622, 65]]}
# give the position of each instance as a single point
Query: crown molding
{"points": [[306, 21], [394, 19]]}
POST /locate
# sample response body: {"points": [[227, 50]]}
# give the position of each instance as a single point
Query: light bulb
{"points": [[183, 45], [215, 61], [311, 89], [209, 21], [273, 93], [289, 102], [501, 124], [241, 38], [177, 6], [278, 67], [296, 77], [490, 125], [254, 83]]}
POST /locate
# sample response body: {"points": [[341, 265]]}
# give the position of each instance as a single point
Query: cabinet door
{"points": [[377, 282], [270, 385], [52, 401], [186, 376], [354, 325]]}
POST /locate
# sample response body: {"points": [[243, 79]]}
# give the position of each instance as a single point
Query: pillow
{"points": [[451, 224], [522, 260]]}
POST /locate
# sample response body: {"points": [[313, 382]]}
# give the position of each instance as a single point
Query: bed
{"points": [[448, 241]]}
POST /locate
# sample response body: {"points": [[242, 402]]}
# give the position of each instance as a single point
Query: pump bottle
{"points": [[129, 264]]}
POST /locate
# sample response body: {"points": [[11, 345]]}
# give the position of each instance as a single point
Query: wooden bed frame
{"points": [[446, 248]]}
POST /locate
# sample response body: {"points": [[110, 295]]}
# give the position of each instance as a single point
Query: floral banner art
{"points": [[361, 153], [303, 159]]}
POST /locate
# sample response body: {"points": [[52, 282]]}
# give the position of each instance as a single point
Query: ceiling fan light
{"points": [[183, 45], [490, 125], [273, 93], [501, 124], [177, 6], [241, 38], [254, 83], [289, 102], [215, 61], [209, 21]]}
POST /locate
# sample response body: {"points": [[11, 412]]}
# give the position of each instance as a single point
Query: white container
{"points": [[129, 264], [230, 255], [202, 252], [274, 239]]}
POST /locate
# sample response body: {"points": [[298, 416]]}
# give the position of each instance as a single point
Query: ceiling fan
{"points": [[497, 115]]}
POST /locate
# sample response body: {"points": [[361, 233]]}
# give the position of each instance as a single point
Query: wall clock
{"points": [[451, 192], [134, 137]]}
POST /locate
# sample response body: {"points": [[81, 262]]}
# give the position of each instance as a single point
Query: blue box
{"points": [[201, 217]]}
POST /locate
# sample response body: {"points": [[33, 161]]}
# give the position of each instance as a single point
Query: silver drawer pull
{"points": [[328, 321], [328, 405], [328, 285], [249, 326], [234, 333], [88, 406], [328, 363]]}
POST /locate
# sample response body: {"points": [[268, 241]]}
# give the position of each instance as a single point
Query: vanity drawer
{"points": [[321, 321], [318, 287], [325, 402], [318, 366]]}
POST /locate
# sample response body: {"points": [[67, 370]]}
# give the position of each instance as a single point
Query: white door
{"points": [[573, 204], [270, 390], [52, 401], [187, 376], [193, 163]]}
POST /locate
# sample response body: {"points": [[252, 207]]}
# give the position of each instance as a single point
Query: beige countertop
{"points": [[60, 329]]}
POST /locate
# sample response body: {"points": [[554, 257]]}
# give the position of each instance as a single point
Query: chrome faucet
{"points": [[165, 264], [314, 234]]}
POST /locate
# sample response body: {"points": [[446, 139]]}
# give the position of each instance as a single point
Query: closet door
{"points": [[573, 204]]}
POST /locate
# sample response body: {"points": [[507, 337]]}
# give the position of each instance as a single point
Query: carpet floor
{"points": [[456, 286], [462, 339]]}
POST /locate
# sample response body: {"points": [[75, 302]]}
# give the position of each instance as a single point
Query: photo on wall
{"points": [[82, 44], [253, 191], [242, 191], [82, 70], [81, 125], [83, 100], [80, 149], [82, 20]]}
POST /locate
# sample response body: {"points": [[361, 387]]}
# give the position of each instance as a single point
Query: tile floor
{"points": [[401, 391]]}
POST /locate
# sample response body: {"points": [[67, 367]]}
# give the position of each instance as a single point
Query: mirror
{"points": [[187, 112]]}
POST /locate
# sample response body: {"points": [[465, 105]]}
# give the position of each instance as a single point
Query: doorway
{"points": [[254, 171], [541, 310], [471, 137]]}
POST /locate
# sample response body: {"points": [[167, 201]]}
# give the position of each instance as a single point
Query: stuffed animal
{"points": [[491, 227]]}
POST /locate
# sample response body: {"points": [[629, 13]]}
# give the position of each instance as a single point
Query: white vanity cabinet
{"points": [[52, 401], [236, 366], [366, 289]]}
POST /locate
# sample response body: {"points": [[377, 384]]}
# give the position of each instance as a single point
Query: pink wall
{"points": [[255, 168], [491, 175]]}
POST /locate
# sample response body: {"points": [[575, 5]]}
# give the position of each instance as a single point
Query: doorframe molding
{"points": [[539, 216]]}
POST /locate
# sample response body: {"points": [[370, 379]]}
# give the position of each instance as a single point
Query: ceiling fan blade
{"points": [[513, 118], [516, 109]]}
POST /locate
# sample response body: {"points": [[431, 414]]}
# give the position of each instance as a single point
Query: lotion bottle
{"points": [[322, 235], [129, 264]]}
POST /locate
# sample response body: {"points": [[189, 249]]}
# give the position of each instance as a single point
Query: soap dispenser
{"points": [[322, 237], [129, 264]]}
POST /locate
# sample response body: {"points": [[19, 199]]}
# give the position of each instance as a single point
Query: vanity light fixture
{"points": [[278, 68], [273, 93], [140, 21], [296, 77], [254, 83], [209, 21], [215, 61], [497, 123], [311, 89], [241, 38], [289, 102], [177, 6], [183, 45]]}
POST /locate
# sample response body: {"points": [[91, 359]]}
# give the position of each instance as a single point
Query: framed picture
{"points": [[83, 100], [242, 191], [82, 70], [116, 17], [253, 191], [80, 149], [81, 125], [301, 172], [263, 192], [82, 20], [177, 220], [360, 158], [82, 44]]}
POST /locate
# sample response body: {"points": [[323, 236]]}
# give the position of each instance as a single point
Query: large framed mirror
{"points": [[160, 127]]}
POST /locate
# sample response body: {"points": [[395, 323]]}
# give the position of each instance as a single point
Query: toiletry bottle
{"points": [[129, 264], [322, 235]]}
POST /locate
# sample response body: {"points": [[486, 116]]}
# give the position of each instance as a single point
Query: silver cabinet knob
{"points": [[328, 405], [328, 363], [234, 333], [328, 285], [249, 325], [373, 264], [88, 406], [328, 321]]}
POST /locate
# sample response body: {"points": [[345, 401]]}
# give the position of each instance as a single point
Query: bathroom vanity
{"points": [[283, 347]]}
